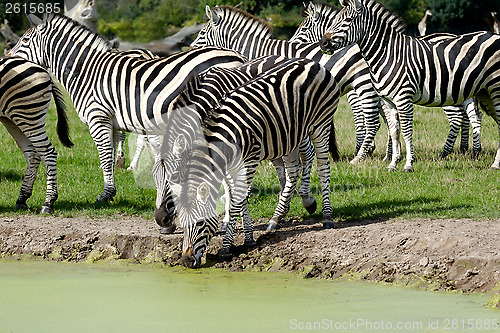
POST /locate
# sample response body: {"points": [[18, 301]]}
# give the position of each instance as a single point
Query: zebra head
{"points": [[196, 204], [342, 31], [31, 46], [318, 17], [226, 24]]}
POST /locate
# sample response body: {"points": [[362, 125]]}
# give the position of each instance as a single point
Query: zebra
{"points": [[25, 93], [425, 73], [111, 91], [263, 119], [319, 16], [235, 29], [202, 93]]}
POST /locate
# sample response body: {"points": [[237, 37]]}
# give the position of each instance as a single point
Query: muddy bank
{"points": [[439, 255]]}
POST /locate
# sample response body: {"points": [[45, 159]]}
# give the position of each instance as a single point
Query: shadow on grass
{"points": [[11, 176]]}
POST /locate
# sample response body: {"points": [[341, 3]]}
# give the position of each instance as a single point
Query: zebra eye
{"points": [[317, 17], [200, 224], [180, 145], [202, 193]]}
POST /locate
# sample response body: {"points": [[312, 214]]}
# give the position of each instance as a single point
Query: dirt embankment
{"points": [[435, 254]]}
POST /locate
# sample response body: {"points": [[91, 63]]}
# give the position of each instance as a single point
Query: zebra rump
{"points": [[25, 93]]}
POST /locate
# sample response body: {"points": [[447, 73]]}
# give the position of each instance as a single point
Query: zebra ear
{"points": [[180, 145], [202, 193], [211, 15], [208, 12], [34, 20]]}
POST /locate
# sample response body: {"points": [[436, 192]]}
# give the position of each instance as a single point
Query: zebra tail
{"points": [[333, 147], [62, 118]]}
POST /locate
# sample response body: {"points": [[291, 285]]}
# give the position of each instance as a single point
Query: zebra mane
{"points": [[392, 19], [319, 5], [100, 42], [249, 17]]}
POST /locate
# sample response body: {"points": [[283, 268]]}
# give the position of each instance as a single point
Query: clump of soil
{"points": [[435, 254]]}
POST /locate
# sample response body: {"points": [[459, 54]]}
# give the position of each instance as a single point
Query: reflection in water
{"points": [[65, 297]]}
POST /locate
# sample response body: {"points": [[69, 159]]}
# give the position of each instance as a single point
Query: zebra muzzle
{"points": [[189, 259]]}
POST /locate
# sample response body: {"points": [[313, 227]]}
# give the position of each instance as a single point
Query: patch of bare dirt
{"points": [[436, 254]]}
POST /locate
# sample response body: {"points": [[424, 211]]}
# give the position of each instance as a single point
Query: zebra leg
{"points": [[371, 121], [101, 130], [306, 153], [227, 202], [406, 117], [393, 124], [138, 150], [359, 120], [120, 155], [454, 115], [464, 132], [239, 191], [320, 142], [32, 162], [292, 167], [280, 172], [388, 150], [475, 116]]}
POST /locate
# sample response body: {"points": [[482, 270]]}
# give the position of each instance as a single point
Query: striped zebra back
{"points": [[136, 92]]}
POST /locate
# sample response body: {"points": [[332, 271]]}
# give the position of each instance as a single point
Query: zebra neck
{"points": [[382, 50], [72, 61]]}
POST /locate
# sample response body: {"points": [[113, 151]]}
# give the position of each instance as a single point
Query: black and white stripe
{"points": [[237, 30], [25, 93], [407, 70], [263, 119], [111, 91], [203, 93], [320, 16]]}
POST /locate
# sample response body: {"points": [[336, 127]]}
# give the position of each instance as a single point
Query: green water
{"points": [[65, 297]]}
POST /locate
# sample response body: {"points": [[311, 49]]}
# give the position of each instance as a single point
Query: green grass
{"points": [[456, 187]]}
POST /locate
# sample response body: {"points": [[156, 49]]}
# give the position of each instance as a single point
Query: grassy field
{"points": [[456, 187]]}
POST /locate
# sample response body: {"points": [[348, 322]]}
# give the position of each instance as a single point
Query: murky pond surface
{"points": [[66, 297]]}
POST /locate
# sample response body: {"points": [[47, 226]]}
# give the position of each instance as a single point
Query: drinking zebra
{"points": [[111, 91], [25, 92], [237, 30], [264, 119], [407, 70], [202, 93], [320, 16]]}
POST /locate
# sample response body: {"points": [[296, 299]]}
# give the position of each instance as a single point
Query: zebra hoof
{"points": [[475, 153], [167, 230], [443, 155], [225, 255], [494, 167], [392, 169], [21, 206], [120, 163], [328, 225], [410, 169], [249, 243], [46, 210], [310, 205], [273, 225]]}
